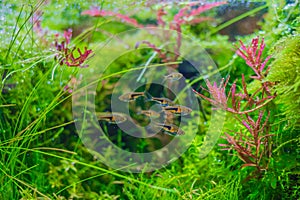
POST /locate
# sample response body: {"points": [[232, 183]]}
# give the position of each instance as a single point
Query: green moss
{"points": [[285, 72]]}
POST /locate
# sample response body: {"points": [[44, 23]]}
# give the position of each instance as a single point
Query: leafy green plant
{"points": [[285, 72], [41, 155]]}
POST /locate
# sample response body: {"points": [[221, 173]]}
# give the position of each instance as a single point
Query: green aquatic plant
{"points": [[41, 156], [282, 19], [283, 175], [285, 72]]}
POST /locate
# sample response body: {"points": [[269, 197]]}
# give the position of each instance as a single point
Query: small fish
{"points": [[182, 110], [112, 118], [131, 96], [163, 101], [169, 116], [150, 113], [171, 129], [174, 76]]}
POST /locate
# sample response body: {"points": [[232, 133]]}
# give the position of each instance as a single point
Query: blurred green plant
{"points": [[285, 71], [41, 155]]}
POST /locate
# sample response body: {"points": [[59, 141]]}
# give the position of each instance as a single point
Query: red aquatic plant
{"points": [[96, 12], [68, 35], [72, 61], [159, 14], [242, 102], [67, 56], [186, 15], [252, 144], [253, 57], [218, 95], [253, 149], [64, 55]]}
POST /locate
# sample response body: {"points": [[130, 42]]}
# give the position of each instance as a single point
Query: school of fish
{"points": [[168, 108]]}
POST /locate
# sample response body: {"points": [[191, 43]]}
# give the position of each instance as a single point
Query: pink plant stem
{"points": [[249, 111]]}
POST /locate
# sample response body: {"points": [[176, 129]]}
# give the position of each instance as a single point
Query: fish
{"points": [[163, 101], [171, 129], [131, 96], [112, 118], [174, 76], [150, 113], [177, 109]]}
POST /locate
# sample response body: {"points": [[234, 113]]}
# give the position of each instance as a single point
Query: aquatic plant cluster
{"points": [[254, 150], [66, 55], [231, 105]]}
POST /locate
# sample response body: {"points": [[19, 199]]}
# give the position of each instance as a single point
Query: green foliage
{"points": [[285, 71], [282, 19], [41, 155]]}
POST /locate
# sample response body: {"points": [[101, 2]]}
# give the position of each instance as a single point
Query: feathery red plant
{"points": [[254, 60], [66, 55], [252, 144], [186, 15], [219, 98]]}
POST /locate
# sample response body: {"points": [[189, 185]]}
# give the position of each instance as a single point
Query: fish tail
{"points": [[158, 124]]}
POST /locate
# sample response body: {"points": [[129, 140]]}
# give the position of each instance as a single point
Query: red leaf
{"points": [[161, 12], [223, 145], [247, 126], [95, 12], [249, 165]]}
